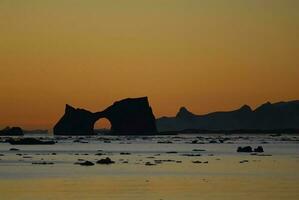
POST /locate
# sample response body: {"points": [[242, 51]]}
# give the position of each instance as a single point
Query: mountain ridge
{"points": [[268, 116]]}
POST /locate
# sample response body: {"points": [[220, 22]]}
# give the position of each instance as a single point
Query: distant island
{"points": [[276, 117], [131, 116], [11, 131]]}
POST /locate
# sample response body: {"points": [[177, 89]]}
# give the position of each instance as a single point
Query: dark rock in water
{"points": [[42, 163], [191, 155], [196, 162], [27, 156], [259, 149], [150, 157], [128, 116], [164, 142], [80, 141], [244, 161], [85, 163], [198, 150], [125, 153], [160, 161], [246, 149], [14, 149], [29, 141], [172, 152], [13, 131], [194, 141], [105, 161], [149, 164]]}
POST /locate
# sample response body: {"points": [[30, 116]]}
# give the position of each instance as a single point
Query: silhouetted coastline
{"points": [[277, 117], [134, 116], [13, 131]]}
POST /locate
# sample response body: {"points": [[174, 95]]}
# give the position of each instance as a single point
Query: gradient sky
{"points": [[206, 55]]}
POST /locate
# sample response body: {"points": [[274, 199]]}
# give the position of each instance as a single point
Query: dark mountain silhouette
{"points": [[282, 115], [13, 131], [128, 116]]}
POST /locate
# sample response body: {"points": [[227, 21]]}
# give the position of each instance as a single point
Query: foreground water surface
{"points": [[152, 167]]}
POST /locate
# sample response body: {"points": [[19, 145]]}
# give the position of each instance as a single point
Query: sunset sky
{"points": [[206, 55]]}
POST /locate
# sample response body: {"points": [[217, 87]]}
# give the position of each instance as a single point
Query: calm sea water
{"points": [[173, 174], [141, 149]]}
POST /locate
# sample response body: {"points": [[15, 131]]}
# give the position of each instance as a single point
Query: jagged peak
{"points": [[140, 99], [68, 108], [184, 113], [268, 103], [246, 108], [264, 106]]}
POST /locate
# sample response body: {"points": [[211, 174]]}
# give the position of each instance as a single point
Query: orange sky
{"points": [[205, 55]]}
